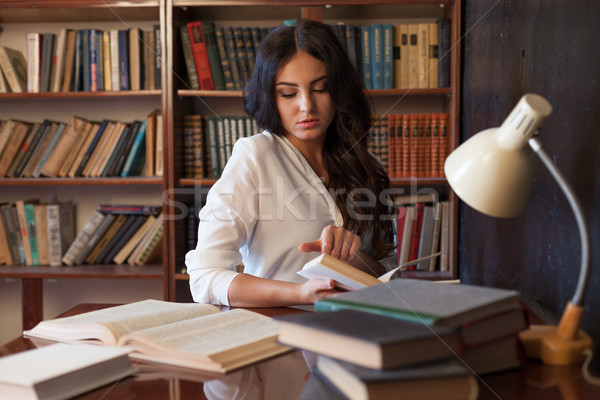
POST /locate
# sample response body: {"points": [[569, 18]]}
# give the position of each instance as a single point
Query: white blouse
{"points": [[267, 202]]}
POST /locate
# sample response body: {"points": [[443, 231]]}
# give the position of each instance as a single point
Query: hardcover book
{"points": [[367, 339], [168, 332], [61, 371], [427, 302], [447, 379]]}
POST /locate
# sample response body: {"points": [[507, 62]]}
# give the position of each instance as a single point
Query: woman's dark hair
{"points": [[355, 175]]}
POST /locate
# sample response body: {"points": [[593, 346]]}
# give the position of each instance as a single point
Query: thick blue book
{"points": [[376, 56]]}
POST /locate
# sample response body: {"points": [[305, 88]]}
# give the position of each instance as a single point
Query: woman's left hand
{"points": [[335, 241]]}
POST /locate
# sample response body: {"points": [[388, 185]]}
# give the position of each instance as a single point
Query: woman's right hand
{"points": [[316, 289]]}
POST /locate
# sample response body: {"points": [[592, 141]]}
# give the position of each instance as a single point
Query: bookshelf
{"points": [[176, 99], [182, 100], [17, 18]]}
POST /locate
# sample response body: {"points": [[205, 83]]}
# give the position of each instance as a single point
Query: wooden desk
{"points": [[532, 381]]}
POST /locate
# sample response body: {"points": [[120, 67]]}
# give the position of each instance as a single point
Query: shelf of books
{"points": [[212, 48], [81, 142]]}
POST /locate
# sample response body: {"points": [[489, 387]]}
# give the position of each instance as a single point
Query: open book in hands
{"points": [[190, 335], [346, 276]]}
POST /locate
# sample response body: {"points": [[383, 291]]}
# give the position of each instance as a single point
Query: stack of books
{"points": [[421, 339]]}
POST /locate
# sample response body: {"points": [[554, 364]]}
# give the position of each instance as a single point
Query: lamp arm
{"points": [[583, 232]]}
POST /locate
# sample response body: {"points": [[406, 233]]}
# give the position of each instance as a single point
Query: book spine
{"points": [[365, 34], [54, 240], [212, 50], [13, 232], [136, 154], [443, 52], [388, 56], [232, 56], [32, 233], [155, 240], [82, 237], [200, 55], [34, 50], [188, 57], [14, 66], [224, 58]]}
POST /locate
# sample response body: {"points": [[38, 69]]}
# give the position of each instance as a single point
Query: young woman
{"points": [[306, 184]]}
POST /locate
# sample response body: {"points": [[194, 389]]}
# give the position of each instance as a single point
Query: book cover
{"points": [[14, 67], [224, 58], [41, 233], [198, 44], [121, 239], [69, 61], [38, 373], [214, 59], [123, 51], [82, 237], [47, 57], [188, 56], [24, 151], [94, 238], [89, 149], [446, 379], [368, 339], [65, 145], [134, 164], [13, 233], [24, 228], [47, 130], [16, 137], [61, 230], [426, 302]]}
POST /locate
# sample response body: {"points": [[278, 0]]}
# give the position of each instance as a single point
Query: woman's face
{"points": [[302, 97]]}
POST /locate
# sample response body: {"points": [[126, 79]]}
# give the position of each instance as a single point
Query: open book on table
{"points": [[189, 335], [345, 275]]}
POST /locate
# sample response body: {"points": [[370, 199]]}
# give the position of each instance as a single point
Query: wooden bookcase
{"points": [[16, 19], [175, 101], [181, 100]]}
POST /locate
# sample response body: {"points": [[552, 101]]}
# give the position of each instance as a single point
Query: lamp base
{"points": [[558, 345]]}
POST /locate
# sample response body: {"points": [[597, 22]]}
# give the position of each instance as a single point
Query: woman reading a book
{"points": [[306, 184]]}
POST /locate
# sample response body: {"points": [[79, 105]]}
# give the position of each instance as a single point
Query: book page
{"points": [[196, 340], [109, 324]]}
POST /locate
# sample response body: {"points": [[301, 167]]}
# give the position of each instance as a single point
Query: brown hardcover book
{"points": [[406, 153], [151, 143], [391, 148], [5, 251], [423, 46], [69, 61], [15, 140], [147, 327], [135, 58], [433, 55], [64, 146], [41, 226], [414, 145], [435, 144], [368, 339], [398, 144], [443, 147], [14, 67]]}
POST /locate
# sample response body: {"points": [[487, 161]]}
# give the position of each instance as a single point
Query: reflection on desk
{"points": [[279, 378]]}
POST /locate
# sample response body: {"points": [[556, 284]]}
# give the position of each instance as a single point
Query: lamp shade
{"points": [[493, 170]]}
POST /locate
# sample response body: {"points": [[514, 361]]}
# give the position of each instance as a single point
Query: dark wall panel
{"points": [[551, 48]]}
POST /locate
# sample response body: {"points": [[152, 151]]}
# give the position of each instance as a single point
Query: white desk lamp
{"points": [[493, 173]]}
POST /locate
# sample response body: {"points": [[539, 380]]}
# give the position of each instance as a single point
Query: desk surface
{"points": [[284, 377]]}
